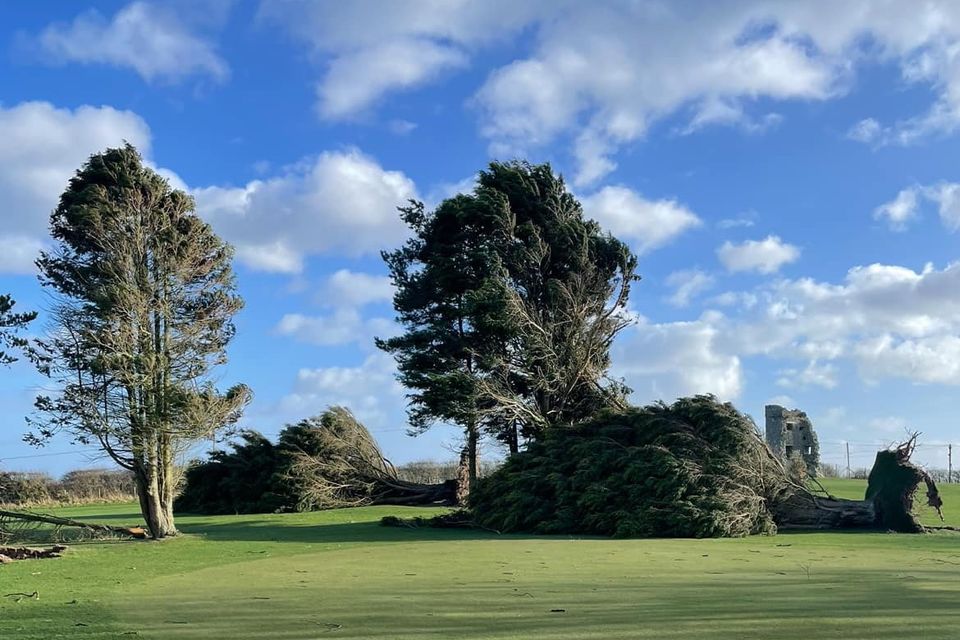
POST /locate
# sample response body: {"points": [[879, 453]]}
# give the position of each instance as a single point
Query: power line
{"points": [[48, 455]]}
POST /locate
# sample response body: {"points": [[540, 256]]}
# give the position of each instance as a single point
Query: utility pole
{"points": [[949, 463], [847, 444]]}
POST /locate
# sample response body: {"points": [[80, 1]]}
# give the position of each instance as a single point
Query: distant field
{"points": [[338, 574]]}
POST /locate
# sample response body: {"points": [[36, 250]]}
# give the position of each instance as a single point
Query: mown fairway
{"points": [[340, 575]]}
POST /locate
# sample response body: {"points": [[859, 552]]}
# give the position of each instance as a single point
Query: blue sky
{"points": [[786, 172]]}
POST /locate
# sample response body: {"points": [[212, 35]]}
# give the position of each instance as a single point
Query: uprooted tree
{"points": [[143, 300], [325, 462], [696, 468]]}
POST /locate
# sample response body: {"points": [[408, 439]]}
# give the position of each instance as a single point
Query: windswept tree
{"points": [[144, 297], [510, 300], [10, 324], [560, 297], [439, 274]]}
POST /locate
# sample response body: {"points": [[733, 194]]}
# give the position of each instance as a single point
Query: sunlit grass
{"points": [[338, 574]]}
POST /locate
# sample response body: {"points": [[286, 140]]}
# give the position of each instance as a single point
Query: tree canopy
{"points": [[145, 297], [509, 298]]}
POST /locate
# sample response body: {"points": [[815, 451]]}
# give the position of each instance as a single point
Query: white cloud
{"points": [[384, 68], [618, 67], [345, 288], [905, 208], [670, 360], [867, 130], [371, 48], [745, 220], [899, 211], [148, 38], [43, 146], [369, 390], [947, 197], [688, 284], [647, 223], [17, 253], [814, 374], [344, 326], [600, 75], [762, 256], [933, 359], [888, 321], [714, 111], [340, 202]]}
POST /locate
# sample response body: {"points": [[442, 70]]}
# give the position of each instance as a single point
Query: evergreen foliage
{"points": [[144, 300], [10, 324], [691, 469]]}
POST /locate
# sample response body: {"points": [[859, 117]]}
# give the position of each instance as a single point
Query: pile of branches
{"points": [[696, 468], [325, 462]]}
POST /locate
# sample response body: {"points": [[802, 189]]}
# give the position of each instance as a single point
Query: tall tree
{"points": [[510, 300], [143, 311], [438, 274], [561, 291], [10, 324]]}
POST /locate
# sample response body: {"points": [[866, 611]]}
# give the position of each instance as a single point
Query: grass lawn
{"points": [[338, 574]]}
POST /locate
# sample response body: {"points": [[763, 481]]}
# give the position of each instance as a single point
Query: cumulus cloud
{"points": [[688, 284], [761, 256], [372, 48], [370, 390], [150, 39], [900, 211], [814, 374], [345, 288], [669, 360], [341, 202], [346, 325], [648, 224], [888, 322], [905, 208], [43, 146], [601, 76], [867, 131]]}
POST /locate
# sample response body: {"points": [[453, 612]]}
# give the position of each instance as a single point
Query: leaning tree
{"points": [[142, 311], [10, 324], [559, 296]]}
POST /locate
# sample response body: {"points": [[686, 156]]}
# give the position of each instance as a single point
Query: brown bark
{"points": [[157, 512], [887, 505]]}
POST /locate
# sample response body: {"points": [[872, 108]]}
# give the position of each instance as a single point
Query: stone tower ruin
{"points": [[790, 434]]}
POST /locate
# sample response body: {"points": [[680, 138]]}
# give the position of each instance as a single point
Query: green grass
{"points": [[338, 574]]}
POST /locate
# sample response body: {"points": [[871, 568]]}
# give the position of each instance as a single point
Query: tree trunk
{"points": [[806, 511], [463, 479], [473, 456], [157, 514], [513, 439], [887, 505]]}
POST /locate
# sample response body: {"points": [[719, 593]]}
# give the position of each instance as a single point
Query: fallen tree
{"points": [[696, 468], [18, 525], [344, 467], [325, 462]]}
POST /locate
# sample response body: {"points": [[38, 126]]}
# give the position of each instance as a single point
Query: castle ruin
{"points": [[790, 434]]}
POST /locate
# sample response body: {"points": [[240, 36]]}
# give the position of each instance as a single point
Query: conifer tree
{"points": [[144, 298]]}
